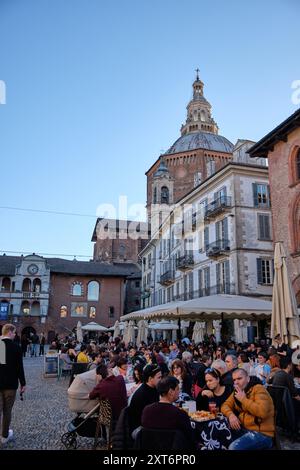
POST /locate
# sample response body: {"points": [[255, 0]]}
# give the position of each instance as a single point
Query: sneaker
{"points": [[4, 440]]}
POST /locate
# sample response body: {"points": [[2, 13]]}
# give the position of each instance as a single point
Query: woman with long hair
{"points": [[214, 392], [179, 371]]}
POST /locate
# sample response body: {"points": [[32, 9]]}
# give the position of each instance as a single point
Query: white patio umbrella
{"points": [[79, 334], [92, 326], [198, 332], [125, 332], [285, 316], [142, 332], [117, 329], [131, 332]]}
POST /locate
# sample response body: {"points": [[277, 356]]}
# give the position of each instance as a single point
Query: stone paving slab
{"points": [[41, 419]]}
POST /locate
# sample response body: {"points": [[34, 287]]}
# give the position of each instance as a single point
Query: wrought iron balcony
{"points": [[219, 205], [217, 248], [185, 262], [167, 278]]}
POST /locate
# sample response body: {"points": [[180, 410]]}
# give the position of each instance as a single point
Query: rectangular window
{"points": [[261, 195], [137, 284], [264, 232], [264, 271]]}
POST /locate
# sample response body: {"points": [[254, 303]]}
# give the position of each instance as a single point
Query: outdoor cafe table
{"points": [[213, 434]]}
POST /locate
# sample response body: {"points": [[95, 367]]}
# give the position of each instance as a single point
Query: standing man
{"points": [[11, 373], [42, 344]]}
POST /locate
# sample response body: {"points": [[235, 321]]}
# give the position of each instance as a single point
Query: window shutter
{"points": [[200, 281], [217, 229], [208, 277], [259, 270], [260, 226], [273, 270], [227, 277], [225, 226], [206, 237], [255, 198], [267, 227], [269, 195], [218, 278]]}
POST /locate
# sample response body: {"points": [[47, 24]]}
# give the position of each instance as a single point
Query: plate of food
{"points": [[202, 416]]}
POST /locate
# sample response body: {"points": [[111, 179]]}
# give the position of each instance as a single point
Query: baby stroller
{"points": [[95, 424], [93, 416]]}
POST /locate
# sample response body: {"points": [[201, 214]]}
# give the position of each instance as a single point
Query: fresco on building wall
{"points": [[78, 309]]}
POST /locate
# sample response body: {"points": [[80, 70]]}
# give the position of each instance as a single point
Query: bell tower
{"points": [[199, 117]]}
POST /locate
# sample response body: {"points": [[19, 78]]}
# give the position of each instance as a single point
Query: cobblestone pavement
{"points": [[40, 420]]}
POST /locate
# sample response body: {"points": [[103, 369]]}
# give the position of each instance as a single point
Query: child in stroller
{"points": [[93, 416]]}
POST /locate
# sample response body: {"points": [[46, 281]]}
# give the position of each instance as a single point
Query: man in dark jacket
{"points": [[11, 373], [283, 378]]}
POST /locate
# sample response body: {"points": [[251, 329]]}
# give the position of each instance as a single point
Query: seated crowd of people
{"points": [[148, 380]]}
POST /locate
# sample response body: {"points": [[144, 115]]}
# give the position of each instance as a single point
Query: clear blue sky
{"points": [[95, 90]]}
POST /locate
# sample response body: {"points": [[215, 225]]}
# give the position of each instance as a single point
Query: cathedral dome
{"points": [[201, 140]]}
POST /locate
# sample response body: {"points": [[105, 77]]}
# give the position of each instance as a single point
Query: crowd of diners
{"points": [[149, 379]]}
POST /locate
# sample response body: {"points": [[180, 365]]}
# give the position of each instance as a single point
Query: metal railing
{"points": [[167, 278], [185, 262], [218, 205], [218, 247]]}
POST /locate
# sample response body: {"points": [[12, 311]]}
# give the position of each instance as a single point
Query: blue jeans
{"points": [[252, 440]]}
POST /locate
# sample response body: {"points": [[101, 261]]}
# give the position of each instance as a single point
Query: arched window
{"points": [[26, 286], [5, 284], [155, 196], [77, 289], [164, 195], [35, 308], [93, 290], [25, 307], [297, 161], [37, 285]]}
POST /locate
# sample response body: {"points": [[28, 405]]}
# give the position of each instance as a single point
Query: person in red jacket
{"points": [[112, 388]]}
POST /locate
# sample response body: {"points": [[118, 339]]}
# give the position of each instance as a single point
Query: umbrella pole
{"points": [[179, 330]]}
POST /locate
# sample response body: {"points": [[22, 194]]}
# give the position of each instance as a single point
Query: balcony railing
{"points": [[31, 295], [185, 262], [217, 248], [224, 288], [167, 278], [217, 206]]}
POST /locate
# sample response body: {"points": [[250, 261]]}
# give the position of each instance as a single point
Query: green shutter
{"points": [[218, 278], [259, 270], [255, 198], [269, 195]]}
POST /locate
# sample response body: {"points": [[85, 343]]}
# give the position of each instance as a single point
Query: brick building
{"points": [[195, 156], [52, 294], [119, 241], [282, 148]]}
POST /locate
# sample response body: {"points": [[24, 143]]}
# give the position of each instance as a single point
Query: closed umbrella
{"points": [[125, 332], [131, 332], [198, 332], [117, 329], [142, 332], [79, 334], [285, 317]]}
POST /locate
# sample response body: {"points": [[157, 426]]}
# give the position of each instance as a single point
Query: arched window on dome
{"points": [[164, 195], [203, 115], [93, 290]]}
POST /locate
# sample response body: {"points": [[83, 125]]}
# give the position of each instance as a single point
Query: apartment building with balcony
{"points": [[217, 239]]}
